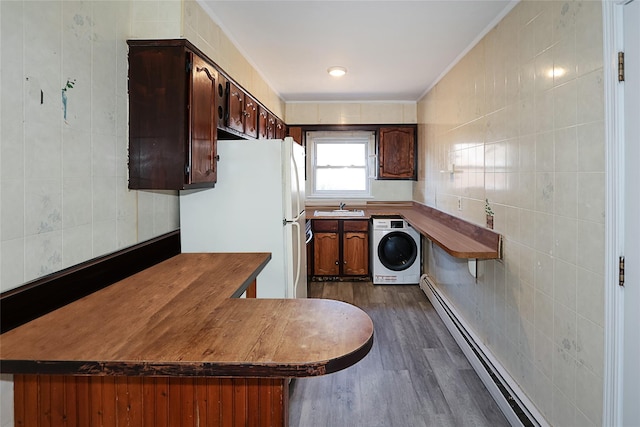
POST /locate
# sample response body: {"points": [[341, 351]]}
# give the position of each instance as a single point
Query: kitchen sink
{"points": [[340, 212]]}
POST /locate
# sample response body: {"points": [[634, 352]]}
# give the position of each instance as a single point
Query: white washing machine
{"points": [[395, 252]]}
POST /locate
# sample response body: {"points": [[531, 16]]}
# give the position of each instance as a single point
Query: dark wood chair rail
{"points": [[43, 295]]}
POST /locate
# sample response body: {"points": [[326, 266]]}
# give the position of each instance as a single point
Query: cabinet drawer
{"points": [[325, 225], [355, 225]]}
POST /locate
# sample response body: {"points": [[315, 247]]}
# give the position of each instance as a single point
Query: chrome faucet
{"points": [[342, 206]]}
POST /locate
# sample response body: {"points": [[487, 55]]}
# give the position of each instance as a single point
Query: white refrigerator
{"points": [[257, 205]]}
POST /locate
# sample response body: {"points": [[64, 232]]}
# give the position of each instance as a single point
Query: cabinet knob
{"points": [[337, 262]]}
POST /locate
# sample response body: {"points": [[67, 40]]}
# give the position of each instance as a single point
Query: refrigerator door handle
{"points": [[297, 276], [295, 169]]}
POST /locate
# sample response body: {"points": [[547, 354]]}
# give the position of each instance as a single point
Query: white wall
{"points": [[533, 144]]}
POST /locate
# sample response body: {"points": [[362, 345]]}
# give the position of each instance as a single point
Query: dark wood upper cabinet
{"points": [[296, 134], [203, 123], [242, 111], [263, 119], [272, 126], [250, 116], [172, 116], [235, 108], [269, 126], [280, 129], [397, 153]]}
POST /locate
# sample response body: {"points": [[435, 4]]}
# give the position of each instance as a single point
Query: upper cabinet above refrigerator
{"points": [[172, 116], [247, 118], [242, 115], [266, 124]]}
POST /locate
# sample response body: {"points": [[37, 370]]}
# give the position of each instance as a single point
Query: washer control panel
{"points": [[388, 224]]}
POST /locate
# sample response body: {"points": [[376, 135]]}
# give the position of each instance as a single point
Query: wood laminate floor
{"points": [[414, 376]]}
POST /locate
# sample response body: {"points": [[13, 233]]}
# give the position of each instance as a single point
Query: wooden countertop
{"points": [[457, 237], [177, 318]]}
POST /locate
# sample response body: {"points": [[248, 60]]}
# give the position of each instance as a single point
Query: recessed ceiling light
{"points": [[337, 71]]}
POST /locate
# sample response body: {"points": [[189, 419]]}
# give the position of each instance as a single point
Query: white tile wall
{"points": [[541, 165], [332, 113], [63, 179]]}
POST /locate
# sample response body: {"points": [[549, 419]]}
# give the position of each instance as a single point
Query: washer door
{"points": [[397, 251]]}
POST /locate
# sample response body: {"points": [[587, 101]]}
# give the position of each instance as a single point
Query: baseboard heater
{"points": [[513, 403]]}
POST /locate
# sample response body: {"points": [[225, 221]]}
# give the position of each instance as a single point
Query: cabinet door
{"points": [[355, 254], [397, 153], [296, 134], [281, 130], [235, 100], [326, 247], [203, 123], [158, 127], [250, 116], [263, 120], [271, 127]]}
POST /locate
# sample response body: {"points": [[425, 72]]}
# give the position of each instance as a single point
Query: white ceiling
{"points": [[393, 50]]}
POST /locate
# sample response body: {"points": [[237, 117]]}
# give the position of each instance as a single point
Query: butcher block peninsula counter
{"points": [[174, 346]]}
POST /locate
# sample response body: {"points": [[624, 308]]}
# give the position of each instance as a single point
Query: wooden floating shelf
{"points": [[457, 237]]}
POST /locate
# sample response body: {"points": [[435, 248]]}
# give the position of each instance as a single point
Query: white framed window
{"points": [[341, 163]]}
